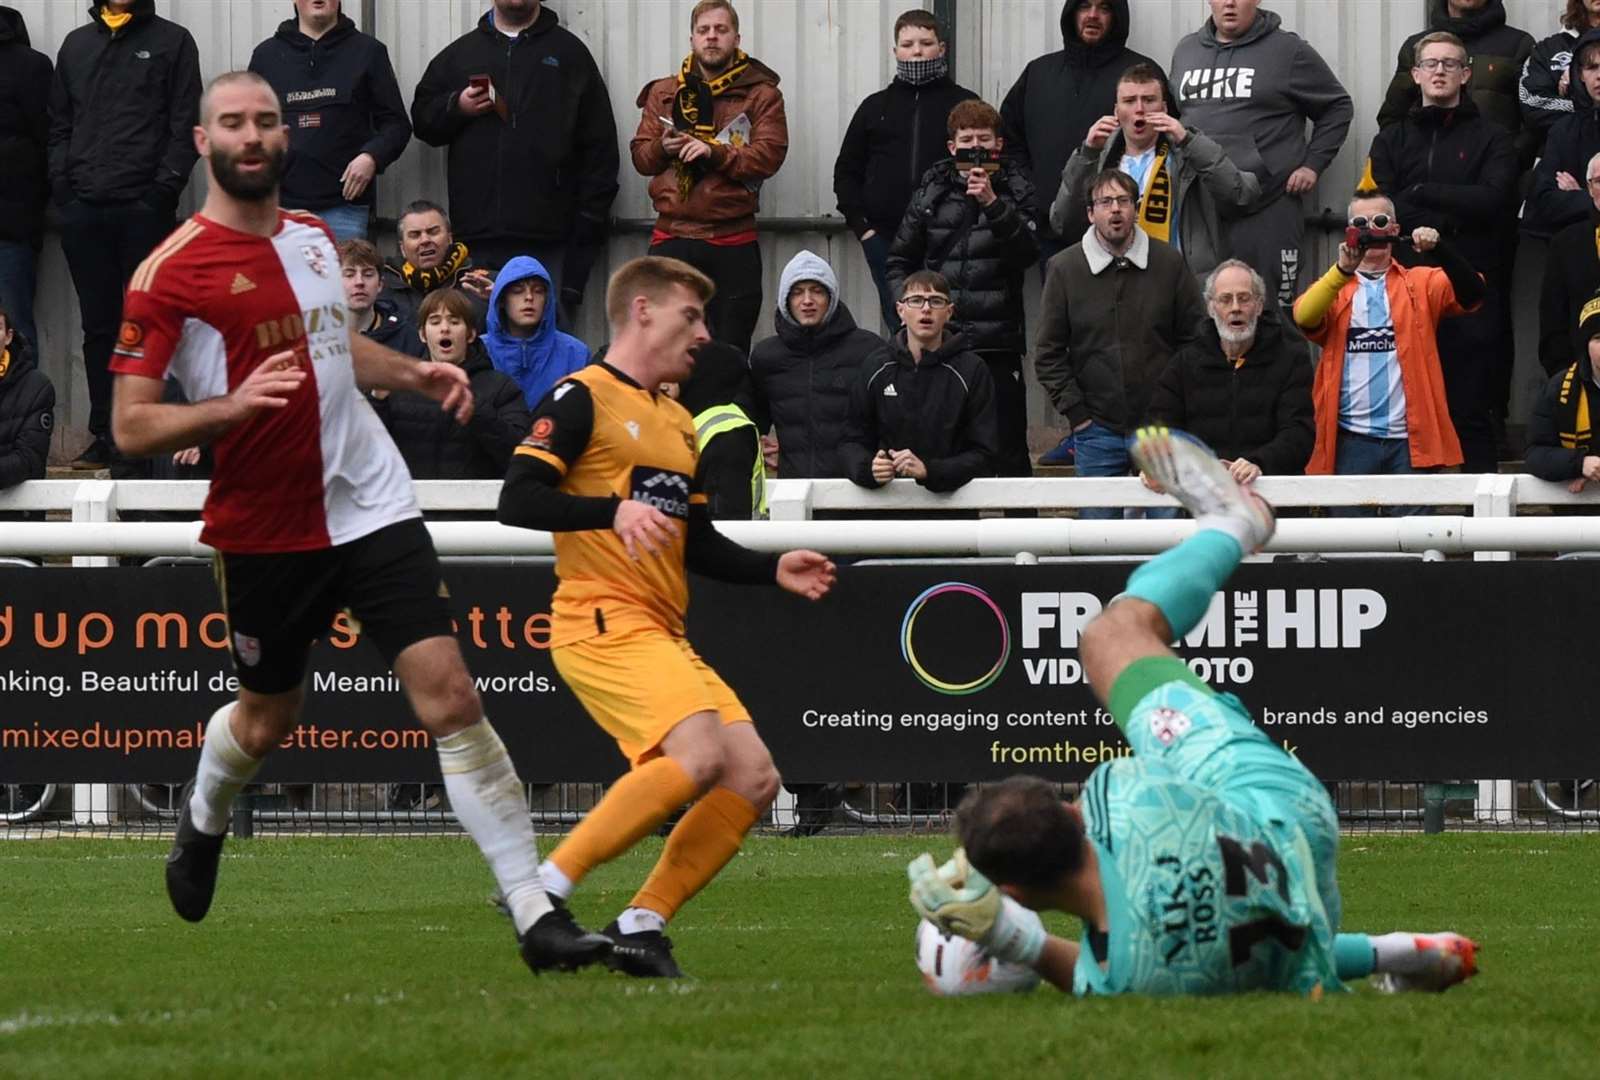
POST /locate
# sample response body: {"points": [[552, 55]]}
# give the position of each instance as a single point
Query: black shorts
{"points": [[278, 605]]}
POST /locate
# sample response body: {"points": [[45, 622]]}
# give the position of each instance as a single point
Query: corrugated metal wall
{"points": [[830, 53]]}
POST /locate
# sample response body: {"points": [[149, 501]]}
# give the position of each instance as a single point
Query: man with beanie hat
{"points": [[1561, 443], [1049, 109], [894, 137], [802, 375]]}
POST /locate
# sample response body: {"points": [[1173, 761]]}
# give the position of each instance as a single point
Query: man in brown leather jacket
{"points": [[709, 136]]}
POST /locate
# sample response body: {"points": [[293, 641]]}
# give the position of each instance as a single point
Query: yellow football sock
{"points": [[635, 807], [701, 845]]}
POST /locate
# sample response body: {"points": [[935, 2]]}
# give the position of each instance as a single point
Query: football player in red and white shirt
{"points": [[311, 509]]}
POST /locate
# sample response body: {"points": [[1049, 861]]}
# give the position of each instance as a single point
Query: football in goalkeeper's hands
{"points": [[953, 966]]}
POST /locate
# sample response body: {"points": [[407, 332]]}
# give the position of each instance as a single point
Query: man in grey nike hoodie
{"points": [[1253, 86]]}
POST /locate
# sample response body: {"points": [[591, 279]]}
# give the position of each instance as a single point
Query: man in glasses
{"points": [[1455, 171], [1495, 52], [1379, 389], [923, 408], [1117, 305]]}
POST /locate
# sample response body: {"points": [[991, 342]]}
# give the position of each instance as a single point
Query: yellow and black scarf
{"points": [[5, 362], [426, 281], [694, 112], [1155, 208], [1572, 410]]}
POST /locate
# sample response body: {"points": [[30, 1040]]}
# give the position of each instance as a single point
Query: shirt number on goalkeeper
{"points": [[1240, 867]]}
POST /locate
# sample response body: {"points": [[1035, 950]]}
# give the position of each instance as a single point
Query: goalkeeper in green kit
{"points": [[1204, 863]]}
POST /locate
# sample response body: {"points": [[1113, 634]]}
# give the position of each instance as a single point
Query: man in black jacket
{"points": [[375, 315], [923, 407], [1496, 54], [1059, 96], [123, 107], [1561, 440], [972, 221], [533, 150], [347, 121], [1242, 386], [1453, 170], [24, 176], [895, 136], [803, 375], [27, 409], [1571, 278], [1557, 198]]}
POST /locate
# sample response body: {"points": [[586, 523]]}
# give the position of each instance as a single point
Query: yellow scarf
{"points": [[1155, 209], [427, 280], [112, 20], [1572, 411], [694, 111], [5, 362]]}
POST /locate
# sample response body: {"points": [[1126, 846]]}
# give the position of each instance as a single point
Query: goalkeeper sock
{"points": [[1182, 581], [1354, 955], [488, 800], [1018, 934], [1400, 953], [224, 769], [700, 845], [634, 808]]}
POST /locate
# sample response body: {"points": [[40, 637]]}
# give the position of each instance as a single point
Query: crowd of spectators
{"points": [[1164, 206]]}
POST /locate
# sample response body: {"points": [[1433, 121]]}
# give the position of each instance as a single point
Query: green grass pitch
{"points": [[379, 957]]}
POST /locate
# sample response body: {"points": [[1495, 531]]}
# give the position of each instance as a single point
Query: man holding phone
{"points": [[971, 220], [1379, 389], [532, 144], [1186, 181]]}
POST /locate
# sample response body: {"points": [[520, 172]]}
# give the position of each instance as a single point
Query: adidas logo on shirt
{"points": [[889, 391], [241, 284]]}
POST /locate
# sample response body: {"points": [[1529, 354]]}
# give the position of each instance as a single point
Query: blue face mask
{"points": [[921, 72]]}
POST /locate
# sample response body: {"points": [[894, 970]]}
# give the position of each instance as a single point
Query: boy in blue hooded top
{"points": [[521, 341]]}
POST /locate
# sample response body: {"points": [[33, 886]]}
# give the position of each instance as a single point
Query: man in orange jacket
{"points": [[1379, 389]]}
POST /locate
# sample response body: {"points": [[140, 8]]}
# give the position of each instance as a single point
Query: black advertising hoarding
{"points": [[1378, 670]]}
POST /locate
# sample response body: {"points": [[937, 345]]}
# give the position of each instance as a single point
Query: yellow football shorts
{"points": [[641, 684]]}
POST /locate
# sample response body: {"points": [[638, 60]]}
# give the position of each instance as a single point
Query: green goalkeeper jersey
{"points": [[1201, 897]]}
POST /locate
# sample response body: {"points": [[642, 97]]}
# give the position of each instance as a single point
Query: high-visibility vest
{"points": [[720, 418]]}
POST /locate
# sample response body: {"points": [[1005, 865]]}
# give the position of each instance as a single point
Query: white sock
{"points": [[640, 920], [1235, 527], [556, 883], [224, 769], [487, 798], [1398, 953]]}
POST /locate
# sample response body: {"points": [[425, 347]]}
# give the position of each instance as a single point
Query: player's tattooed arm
{"points": [[379, 367], [142, 424]]}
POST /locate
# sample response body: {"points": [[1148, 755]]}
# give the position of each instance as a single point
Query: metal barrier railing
{"points": [[369, 809]]}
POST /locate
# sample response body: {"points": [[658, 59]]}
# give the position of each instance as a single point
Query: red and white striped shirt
{"points": [[207, 307]]}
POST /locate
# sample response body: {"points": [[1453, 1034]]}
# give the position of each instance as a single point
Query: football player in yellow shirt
{"points": [[609, 467]]}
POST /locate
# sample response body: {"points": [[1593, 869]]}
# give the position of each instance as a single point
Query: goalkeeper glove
{"points": [[959, 900]]}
